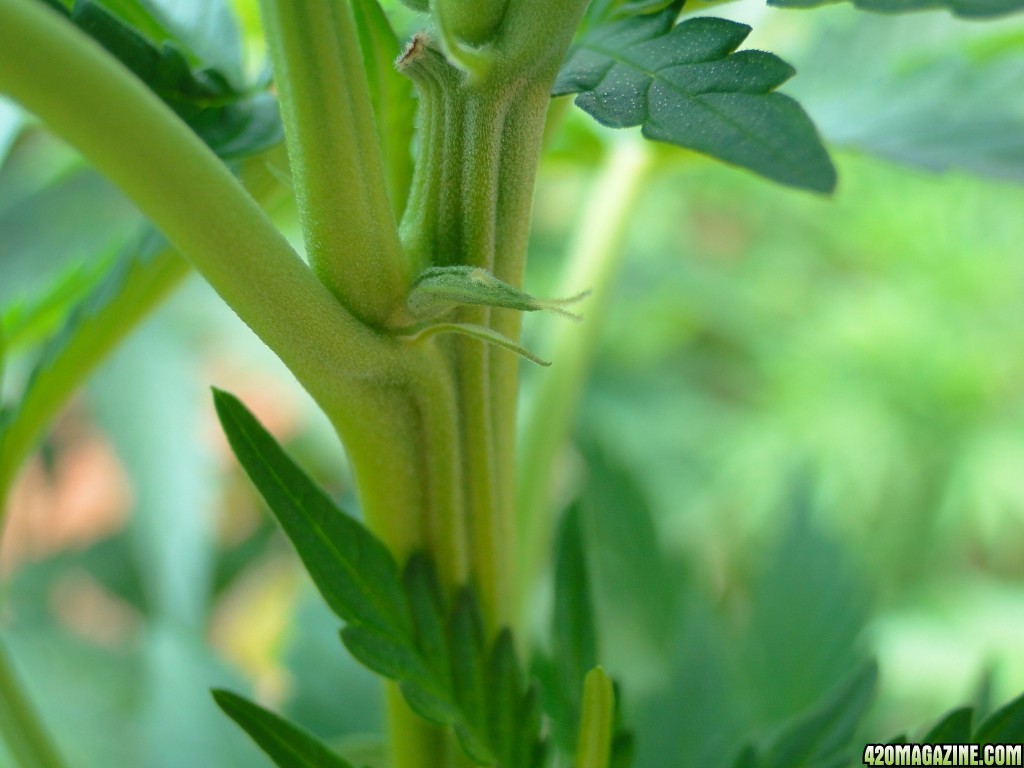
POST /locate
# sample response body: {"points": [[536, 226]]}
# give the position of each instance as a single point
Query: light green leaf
{"points": [[142, 276], [967, 8], [687, 85], [926, 93], [288, 745], [441, 289], [352, 569], [479, 332]]}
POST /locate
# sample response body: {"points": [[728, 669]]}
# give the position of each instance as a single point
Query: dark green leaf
{"points": [[967, 8], [287, 745], [686, 85], [384, 653], [425, 604], [443, 677], [953, 728], [433, 704], [747, 759], [1004, 726], [623, 749], [227, 117], [822, 735], [504, 690], [352, 569], [467, 660], [527, 750]]}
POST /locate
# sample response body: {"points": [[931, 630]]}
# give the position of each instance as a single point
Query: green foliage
{"points": [[759, 642], [232, 120], [402, 628], [353, 571], [822, 737], [1004, 726], [686, 85], [967, 8], [288, 745], [925, 93], [954, 728]]}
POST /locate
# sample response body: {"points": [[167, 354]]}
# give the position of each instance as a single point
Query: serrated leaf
{"points": [[391, 95], [467, 660], [384, 653], [286, 744], [359, 580], [822, 734], [953, 728], [228, 118], [966, 8], [504, 683], [352, 569], [686, 85], [434, 705], [425, 605], [1004, 726]]}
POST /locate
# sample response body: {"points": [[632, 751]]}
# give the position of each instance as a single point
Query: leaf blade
{"points": [[686, 85], [352, 569], [286, 744]]}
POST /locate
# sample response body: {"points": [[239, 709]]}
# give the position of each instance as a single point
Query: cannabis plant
{"points": [[412, 164]]}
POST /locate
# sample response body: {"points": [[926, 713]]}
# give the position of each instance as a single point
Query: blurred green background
{"points": [[801, 444]]}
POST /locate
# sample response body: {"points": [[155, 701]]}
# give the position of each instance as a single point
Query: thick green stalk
{"points": [[595, 255], [22, 730], [337, 170], [479, 148]]}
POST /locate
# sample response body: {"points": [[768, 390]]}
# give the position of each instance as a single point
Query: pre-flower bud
{"points": [[472, 22]]}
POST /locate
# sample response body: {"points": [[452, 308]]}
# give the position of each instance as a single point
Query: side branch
{"points": [[88, 98]]}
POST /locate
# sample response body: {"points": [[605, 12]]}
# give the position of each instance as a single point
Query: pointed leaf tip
{"points": [[288, 745]]}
